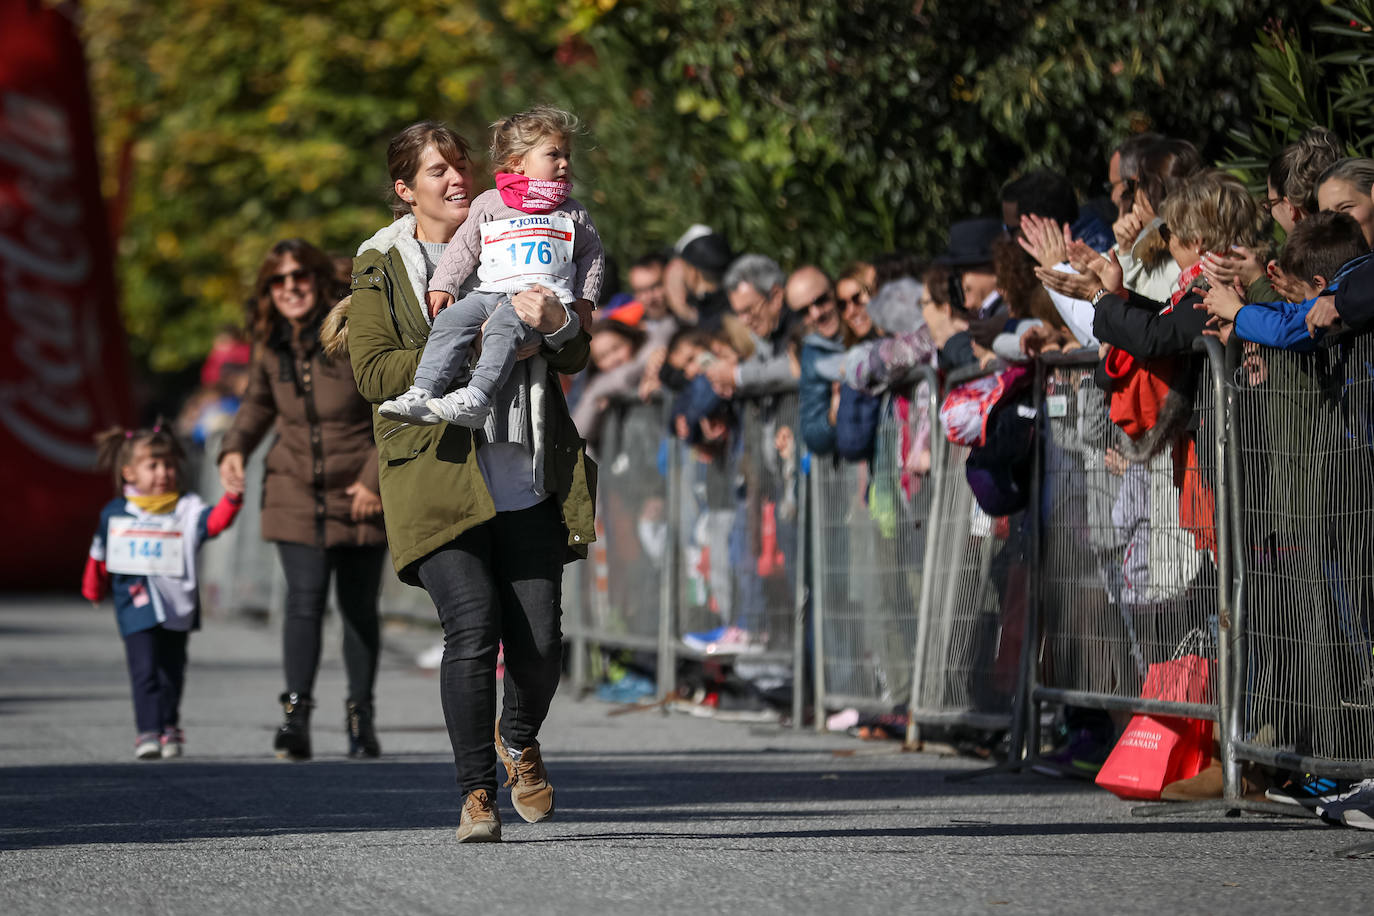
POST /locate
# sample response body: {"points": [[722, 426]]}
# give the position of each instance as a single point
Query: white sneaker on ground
{"points": [[172, 740], [148, 746], [731, 640], [409, 408]]}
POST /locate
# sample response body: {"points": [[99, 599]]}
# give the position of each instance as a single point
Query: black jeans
{"points": [[157, 671], [499, 582], [357, 578]]}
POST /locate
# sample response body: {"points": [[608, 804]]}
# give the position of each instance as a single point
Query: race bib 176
{"points": [[534, 248]]}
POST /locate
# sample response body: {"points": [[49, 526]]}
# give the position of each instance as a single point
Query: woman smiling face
{"points": [[1340, 196], [292, 288], [439, 195]]}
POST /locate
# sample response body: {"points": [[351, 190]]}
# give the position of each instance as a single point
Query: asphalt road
{"points": [[656, 814]]}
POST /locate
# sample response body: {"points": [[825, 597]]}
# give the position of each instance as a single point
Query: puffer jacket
{"points": [[323, 446], [814, 395]]}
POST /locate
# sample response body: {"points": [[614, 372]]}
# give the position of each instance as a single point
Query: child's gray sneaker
{"points": [[463, 407], [409, 408], [148, 746]]}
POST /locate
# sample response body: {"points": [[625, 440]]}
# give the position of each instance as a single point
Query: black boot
{"points": [[362, 734], [293, 738]]}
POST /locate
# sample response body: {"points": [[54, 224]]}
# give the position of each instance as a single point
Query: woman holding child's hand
{"points": [[319, 500]]}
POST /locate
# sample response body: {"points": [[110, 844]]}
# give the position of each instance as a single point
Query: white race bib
{"points": [[524, 250], [145, 546]]}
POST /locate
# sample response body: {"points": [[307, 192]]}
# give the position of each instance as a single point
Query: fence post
{"points": [[668, 585], [579, 638], [939, 450], [1227, 497], [803, 585], [817, 607]]}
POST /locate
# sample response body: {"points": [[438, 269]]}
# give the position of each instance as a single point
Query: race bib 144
{"points": [[144, 547]]}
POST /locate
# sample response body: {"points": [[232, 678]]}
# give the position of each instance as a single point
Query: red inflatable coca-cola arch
{"points": [[64, 371]]}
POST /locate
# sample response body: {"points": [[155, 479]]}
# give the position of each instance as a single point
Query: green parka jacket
{"points": [[431, 486]]}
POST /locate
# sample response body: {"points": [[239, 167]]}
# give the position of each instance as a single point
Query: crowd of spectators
{"points": [[1176, 251]]}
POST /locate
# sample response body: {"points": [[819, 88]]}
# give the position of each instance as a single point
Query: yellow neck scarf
{"points": [[160, 504]]}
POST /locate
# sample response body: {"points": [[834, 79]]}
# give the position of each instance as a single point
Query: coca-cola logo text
{"points": [[54, 403]]}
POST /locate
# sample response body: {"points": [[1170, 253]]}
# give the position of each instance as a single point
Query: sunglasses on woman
{"points": [[298, 276]]}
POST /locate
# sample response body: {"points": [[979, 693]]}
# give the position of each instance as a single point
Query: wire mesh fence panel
{"points": [[621, 605], [978, 595], [738, 533], [1305, 430], [1129, 540], [975, 605], [870, 539]]}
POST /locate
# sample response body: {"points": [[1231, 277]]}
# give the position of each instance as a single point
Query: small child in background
{"points": [[1321, 251], [527, 233], [144, 554]]}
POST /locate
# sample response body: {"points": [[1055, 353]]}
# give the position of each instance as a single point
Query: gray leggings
{"points": [[446, 351]]}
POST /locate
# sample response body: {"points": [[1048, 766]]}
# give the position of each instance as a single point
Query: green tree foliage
{"points": [[809, 131], [1317, 72], [248, 121]]}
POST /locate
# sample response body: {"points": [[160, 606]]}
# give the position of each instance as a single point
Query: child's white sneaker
{"points": [[409, 408], [172, 740], [463, 407], [148, 746]]}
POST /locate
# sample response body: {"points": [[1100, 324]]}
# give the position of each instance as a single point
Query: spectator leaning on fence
{"points": [[617, 365], [1345, 188], [754, 285], [947, 323], [1293, 174], [1320, 253], [692, 279], [818, 397], [465, 517]]}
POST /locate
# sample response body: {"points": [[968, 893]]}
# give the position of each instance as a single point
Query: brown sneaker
{"points": [[480, 821], [530, 792]]}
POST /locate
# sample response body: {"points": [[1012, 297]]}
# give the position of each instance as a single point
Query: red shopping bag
{"points": [[1157, 750]]}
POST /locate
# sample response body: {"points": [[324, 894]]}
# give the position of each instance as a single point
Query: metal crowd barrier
{"points": [[1132, 541], [973, 604], [735, 509], [616, 599], [692, 539], [869, 530], [1303, 427]]}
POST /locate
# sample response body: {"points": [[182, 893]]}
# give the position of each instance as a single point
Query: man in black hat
{"points": [[704, 259], [969, 258]]}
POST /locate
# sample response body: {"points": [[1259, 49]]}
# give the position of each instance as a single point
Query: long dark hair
{"points": [[262, 316]]}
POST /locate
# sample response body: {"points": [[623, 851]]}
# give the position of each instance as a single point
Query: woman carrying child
{"points": [[465, 517], [144, 555], [526, 233]]}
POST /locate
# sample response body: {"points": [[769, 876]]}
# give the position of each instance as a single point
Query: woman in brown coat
{"points": [[319, 501]]}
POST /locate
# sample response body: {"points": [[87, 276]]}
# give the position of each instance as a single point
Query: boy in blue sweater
{"points": [[1320, 255]]}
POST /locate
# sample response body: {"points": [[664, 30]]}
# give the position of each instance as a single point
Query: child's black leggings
{"points": [[157, 670]]}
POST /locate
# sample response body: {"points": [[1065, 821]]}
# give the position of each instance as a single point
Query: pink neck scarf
{"points": [[531, 195]]}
